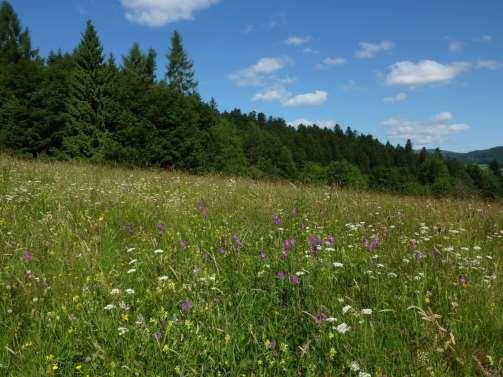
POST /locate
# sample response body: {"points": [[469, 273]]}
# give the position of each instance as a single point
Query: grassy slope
{"points": [[82, 222]]}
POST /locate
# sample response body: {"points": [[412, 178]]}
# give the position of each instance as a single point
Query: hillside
{"points": [[483, 157], [110, 271]]}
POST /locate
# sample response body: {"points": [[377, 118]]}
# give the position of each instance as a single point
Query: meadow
{"points": [[115, 272]]}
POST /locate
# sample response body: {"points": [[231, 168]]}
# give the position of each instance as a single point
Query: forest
{"points": [[84, 105]]}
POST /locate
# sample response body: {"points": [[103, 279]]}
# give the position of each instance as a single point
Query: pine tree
{"points": [[86, 129], [180, 71]]}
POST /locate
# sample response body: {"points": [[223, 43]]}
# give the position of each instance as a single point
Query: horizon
{"points": [[416, 75]]}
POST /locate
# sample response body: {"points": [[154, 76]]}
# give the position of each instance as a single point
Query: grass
{"points": [[99, 266]]}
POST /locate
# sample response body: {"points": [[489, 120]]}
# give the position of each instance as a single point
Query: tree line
{"points": [[87, 106]]}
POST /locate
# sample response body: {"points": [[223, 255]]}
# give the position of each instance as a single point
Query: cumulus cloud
{"points": [[162, 12], [316, 98], [493, 65], [423, 133], [260, 72], [320, 123], [424, 72], [369, 50], [330, 62], [298, 41], [279, 94], [309, 50], [397, 98]]}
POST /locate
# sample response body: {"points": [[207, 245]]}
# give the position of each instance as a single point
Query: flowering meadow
{"points": [[115, 272]]}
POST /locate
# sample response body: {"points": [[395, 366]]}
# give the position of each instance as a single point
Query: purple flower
{"points": [[186, 306], [294, 279], [371, 245], [130, 229], [237, 241], [330, 241], [276, 220], [221, 251], [206, 256], [435, 253], [157, 336], [320, 318], [280, 275], [262, 256], [462, 280], [27, 255], [273, 345], [294, 211], [419, 256], [161, 227], [184, 244], [284, 253], [302, 225]]}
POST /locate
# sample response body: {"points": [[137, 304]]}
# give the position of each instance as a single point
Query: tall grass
{"points": [[113, 272]]}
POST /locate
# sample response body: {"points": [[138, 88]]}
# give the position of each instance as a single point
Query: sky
{"points": [[427, 70]]}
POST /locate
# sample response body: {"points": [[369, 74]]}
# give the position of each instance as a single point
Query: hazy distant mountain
{"points": [[477, 157]]}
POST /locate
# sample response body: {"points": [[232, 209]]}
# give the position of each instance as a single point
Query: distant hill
{"points": [[477, 157]]}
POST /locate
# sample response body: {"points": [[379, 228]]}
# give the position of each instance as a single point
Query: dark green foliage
{"points": [[81, 105], [180, 71]]}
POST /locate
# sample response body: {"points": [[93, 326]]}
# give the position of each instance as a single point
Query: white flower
{"points": [[346, 309], [122, 330], [133, 261], [329, 249], [130, 291], [364, 374], [131, 249], [342, 328], [109, 307], [158, 251], [355, 367], [163, 278], [338, 264], [477, 248], [131, 270], [331, 319], [115, 291], [392, 275], [367, 311]]}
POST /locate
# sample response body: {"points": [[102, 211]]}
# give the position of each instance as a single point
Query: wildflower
{"points": [[161, 227], [262, 256], [158, 251], [157, 336], [294, 279], [237, 242], [78, 367], [294, 211], [331, 319], [434, 252], [462, 280], [319, 318], [371, 245], [163, 278], [130, 291], [302, 226], [355, 367], [221, 251], [342, 328], [132, 270], [130, 229], [330, 240], [364, 374], [186, 306], [346, 309], [109, 307], [122, 330], [413, 244], [367, 311], [202, 209], [115, 291], [276, 220], [338, 265], [280, 275], [419, 256], [27, 255], [184, 244]]}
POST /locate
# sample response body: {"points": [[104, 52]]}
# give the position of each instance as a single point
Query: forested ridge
{"points": [[87, 106]]}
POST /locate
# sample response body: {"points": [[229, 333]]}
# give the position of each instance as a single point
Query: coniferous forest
{"points": [[84, 105]]}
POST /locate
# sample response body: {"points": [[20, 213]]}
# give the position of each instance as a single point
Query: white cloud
{"points": [[397, 98], [298, 41], [316, 98], [486, 38], [455, 46], [369, 50], [320, 123], [309, 50], [260, 72], [493, 65], [423, 133], [247, 29], [279, 94], [162, 12], [424, 72], [330, 62]]}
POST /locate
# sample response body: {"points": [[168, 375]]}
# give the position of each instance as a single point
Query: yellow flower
{"points": [[125, 317], [227, 338], [54, 366], [50, 357], [78, 367]]}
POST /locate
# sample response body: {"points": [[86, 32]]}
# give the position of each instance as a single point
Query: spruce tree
{"points": [[86, 128], [180, 71]]}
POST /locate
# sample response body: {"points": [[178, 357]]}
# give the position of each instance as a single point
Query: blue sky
{"points": [[427, 70]]}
